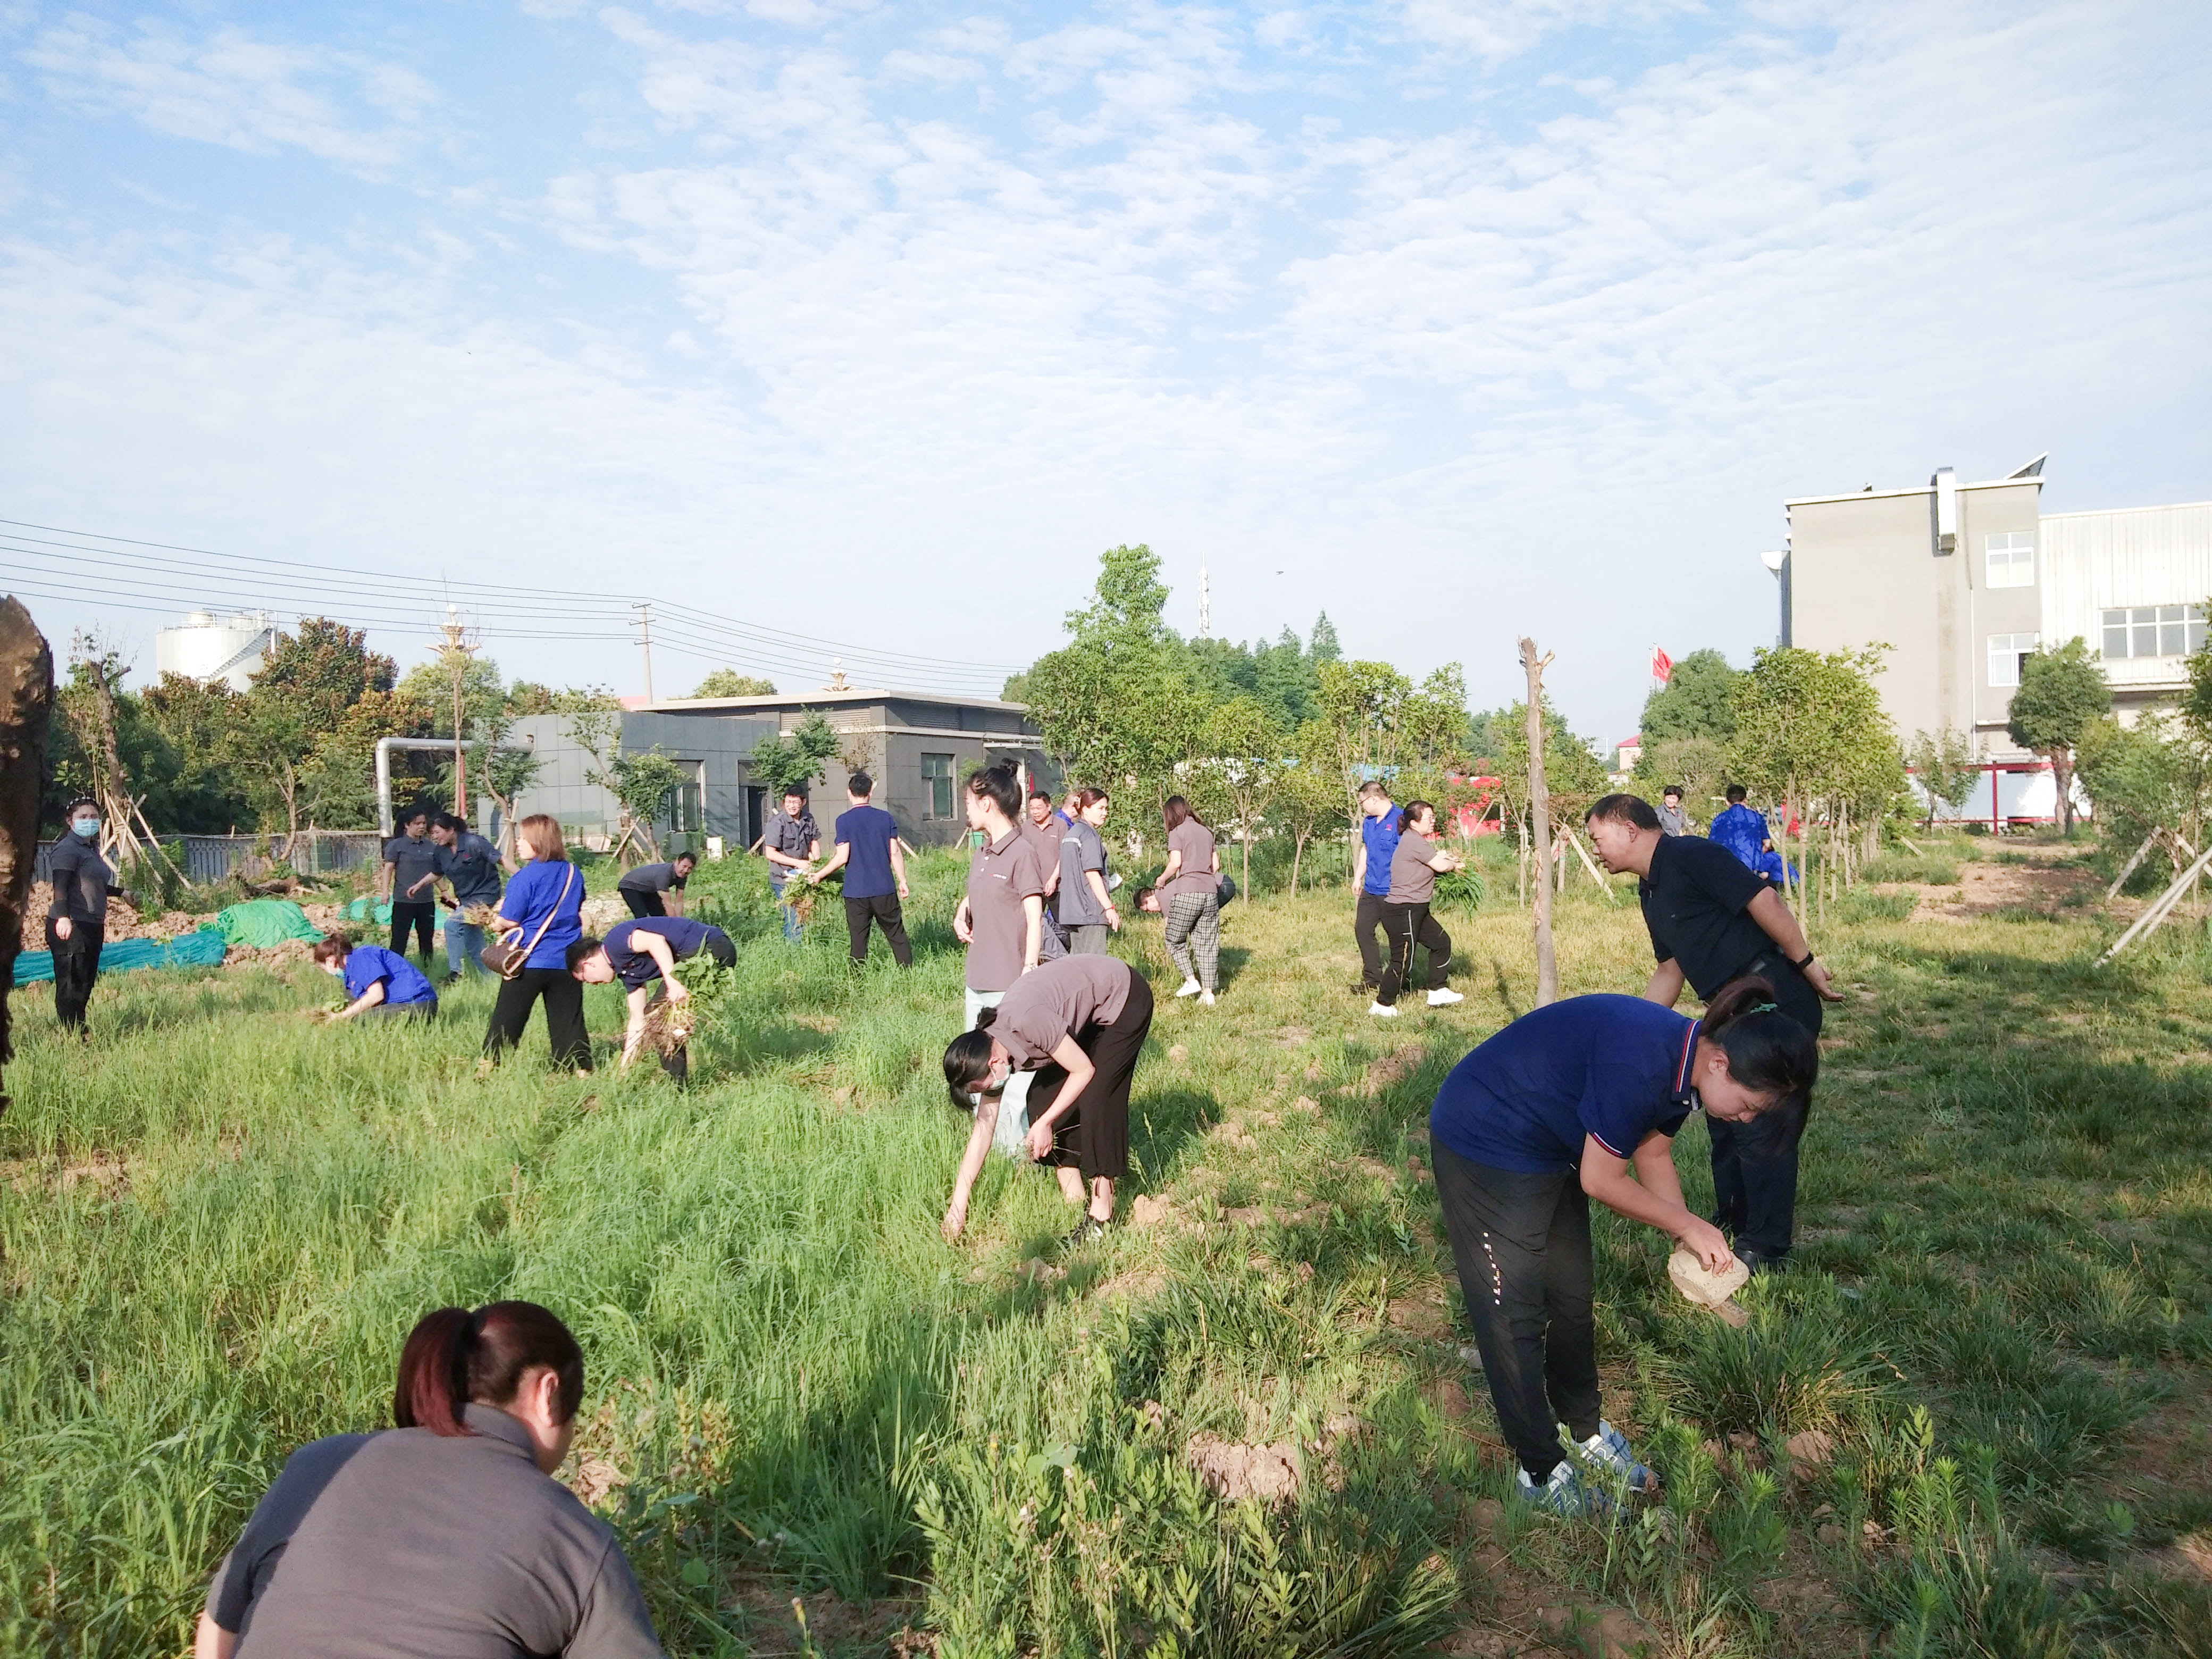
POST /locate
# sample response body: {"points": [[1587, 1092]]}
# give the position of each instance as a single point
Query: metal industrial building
{"points": [[918, 745], [1963, 581]]}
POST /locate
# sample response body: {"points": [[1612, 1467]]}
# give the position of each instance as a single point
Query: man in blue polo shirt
{"points": [[469, 867], [1370, 873], [874, 864]]}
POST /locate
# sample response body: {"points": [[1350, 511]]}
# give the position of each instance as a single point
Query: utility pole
{"points": [[454, 651], [644, 609], [1204, 605], [1540, 809]]}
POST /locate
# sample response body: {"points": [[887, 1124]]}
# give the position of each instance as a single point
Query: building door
{"points": [[756, 812]]}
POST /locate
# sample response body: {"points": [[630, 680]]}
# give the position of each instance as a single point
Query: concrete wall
{"points": [[2147, 555]]}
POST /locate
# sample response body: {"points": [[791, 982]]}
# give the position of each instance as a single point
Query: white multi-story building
{"points": [[1962, 580]]}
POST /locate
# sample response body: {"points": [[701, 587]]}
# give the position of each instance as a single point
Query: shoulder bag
{"points": [[505, 957]]}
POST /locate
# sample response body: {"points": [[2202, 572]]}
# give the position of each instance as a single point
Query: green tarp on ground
{"points": [[363, 909], [262, 923], [202, 950]]}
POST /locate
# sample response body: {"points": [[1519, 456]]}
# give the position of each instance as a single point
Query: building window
{"points": [[2012, 559], [2154, 630], [2008, 653], [936, 786]]}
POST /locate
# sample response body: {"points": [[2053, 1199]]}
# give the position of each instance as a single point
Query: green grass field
{"points": [[1975, 1421]]}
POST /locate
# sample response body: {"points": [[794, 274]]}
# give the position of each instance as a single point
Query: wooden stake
{"points": [[2161, 907], [1589, 864], [1540, 808], [2129, 868]]}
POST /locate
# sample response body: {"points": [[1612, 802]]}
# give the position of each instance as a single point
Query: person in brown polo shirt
{"points": [[1043, 825], [1002, 918]]}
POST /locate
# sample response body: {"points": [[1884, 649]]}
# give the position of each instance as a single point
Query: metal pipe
{"points": [[384, 748]]}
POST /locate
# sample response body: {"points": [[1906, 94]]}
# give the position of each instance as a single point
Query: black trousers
{"points": [[1408, 925], [1095, 1137], [386, 1013], [677, 1061], [77, 965], [647, 904], [423, 916], [1755, 1164], [1366, 919], [564, 1015], [1522, 1243], [885, 911]]}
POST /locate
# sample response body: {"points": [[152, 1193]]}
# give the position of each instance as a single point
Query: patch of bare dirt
{"points": [[1271, 1471], [1391, 1068], [103, 1170], [121, 920], [825, 1622], [1989, 890]]}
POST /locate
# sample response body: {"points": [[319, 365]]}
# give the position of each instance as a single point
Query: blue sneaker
{"points": [[1565, 1493], [1607, 1451]]}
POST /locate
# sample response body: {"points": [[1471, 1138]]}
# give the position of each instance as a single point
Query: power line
{"points": [[334, 578]]}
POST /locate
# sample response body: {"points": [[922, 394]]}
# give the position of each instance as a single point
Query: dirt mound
{"points": [[121, 920]]}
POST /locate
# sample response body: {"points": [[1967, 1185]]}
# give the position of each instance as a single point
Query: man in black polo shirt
{"points": [[1712, 920], [408, 876]]}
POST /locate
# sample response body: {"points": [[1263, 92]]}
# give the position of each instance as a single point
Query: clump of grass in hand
{"points": [[668, 1024]]}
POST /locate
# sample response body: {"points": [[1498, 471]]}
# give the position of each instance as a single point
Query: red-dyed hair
{"points": [[453, 1357]]}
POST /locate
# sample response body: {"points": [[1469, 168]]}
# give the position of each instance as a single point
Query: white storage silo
{"points": [[205, 647]]}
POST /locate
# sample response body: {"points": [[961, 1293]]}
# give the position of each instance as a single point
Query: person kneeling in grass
{"points": [[383, 984], [1078, 1024], [639, 951], [1575, 1101]]}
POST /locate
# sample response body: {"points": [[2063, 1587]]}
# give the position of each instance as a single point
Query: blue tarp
{"points": [[202, 950]]}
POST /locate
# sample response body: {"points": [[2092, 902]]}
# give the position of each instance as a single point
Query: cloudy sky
{"points": [[873, 325]]}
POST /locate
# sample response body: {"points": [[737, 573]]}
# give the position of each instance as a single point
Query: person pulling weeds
{"points": [[383, 984], [639, 951], [1576, 1101]]}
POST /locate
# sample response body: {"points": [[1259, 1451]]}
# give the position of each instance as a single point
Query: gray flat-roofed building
{"points": [[1963, 581], [917, 745]]}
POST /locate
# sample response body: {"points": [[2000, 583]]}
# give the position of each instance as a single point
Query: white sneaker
{"points": [[1380, 1012], [1206, 998], [1191, 987], [1444, 999]]}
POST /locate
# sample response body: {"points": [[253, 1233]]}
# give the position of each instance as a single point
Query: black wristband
{"points": [[1802, 966]]}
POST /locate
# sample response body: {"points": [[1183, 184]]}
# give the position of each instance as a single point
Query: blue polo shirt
{"points": [[534, 899], [632, 966], [1611, 1068], [365, 965], [868, 832], [1380, 836]]}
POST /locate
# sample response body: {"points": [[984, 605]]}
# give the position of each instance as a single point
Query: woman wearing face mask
{"points": [[1576, 1101], [447, 1532], [383, 984], [76, 921]]}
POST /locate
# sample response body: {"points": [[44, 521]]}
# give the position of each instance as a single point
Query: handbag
{"points": [[1224, 890], [504, 957]]}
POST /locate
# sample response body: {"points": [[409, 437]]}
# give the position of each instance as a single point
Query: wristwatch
{"points": [[1802, 966]]}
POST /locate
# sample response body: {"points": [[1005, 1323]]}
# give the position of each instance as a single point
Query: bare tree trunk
{"points": [[27, 700], [1540, 807], [1297, 856]]}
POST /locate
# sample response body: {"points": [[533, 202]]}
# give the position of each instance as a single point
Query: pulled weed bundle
{"points": [[669, 1025]]}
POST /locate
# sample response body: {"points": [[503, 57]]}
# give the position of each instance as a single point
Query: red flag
{"points": [[1662, 665]]}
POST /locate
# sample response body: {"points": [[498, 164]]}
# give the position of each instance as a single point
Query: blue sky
{"points": [[876, 323]]}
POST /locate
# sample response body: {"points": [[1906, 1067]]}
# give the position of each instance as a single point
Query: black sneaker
{"points": [[1086, 1230], [1759, 1262]]}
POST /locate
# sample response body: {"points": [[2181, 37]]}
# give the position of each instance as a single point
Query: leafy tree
{"points": [[795, 759], [1120, 704], [1697, 701], [728, 683], [1324, 647], [325, 668], [1811, 729], [2060, 692], [1360, 703], [526, 697], [643, 782], [1697, 765], [1573, 775], [1946, 765], [2154, 775], [191, 716], [1244, 751], [429, 686], [1309, 796]]}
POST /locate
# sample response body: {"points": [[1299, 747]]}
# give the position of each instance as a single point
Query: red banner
{"points": [[1662, 665]]}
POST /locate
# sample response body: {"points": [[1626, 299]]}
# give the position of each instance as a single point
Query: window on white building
{"points": [[2154, 630], [2011, 559], [2007, 653]]}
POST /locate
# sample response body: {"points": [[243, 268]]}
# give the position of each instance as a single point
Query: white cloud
{"points": [[247, 94]]}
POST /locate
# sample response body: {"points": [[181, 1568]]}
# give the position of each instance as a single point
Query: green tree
{"points": [[1946, 767], [643, 782], [728, 683], [192, 717], [795, 759], [325, 667], [1244, 751], [1697, 701], [2060, 693], [1308, 795], [2152, 777], [1698, 766], [1120, 705]]}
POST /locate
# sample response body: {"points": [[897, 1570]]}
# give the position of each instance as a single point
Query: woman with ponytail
{"points": [[446, 1533], [1578, 1100], [1078, 1024]]}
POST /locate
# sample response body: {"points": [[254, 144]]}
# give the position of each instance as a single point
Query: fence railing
{"points": [[212, 858]]}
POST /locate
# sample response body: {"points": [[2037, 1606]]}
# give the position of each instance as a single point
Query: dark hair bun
{"points": [[984, 1016]]}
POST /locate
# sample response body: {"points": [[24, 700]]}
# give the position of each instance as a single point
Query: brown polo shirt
{"points": [[1000, 876], [1060, 999], [1046, 836]]}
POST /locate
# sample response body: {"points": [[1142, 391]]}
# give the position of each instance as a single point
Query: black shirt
{"points": [[388, 1545], [471, 865], [1695, 900], [651, 878], [410, 860], [81, 880]]}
